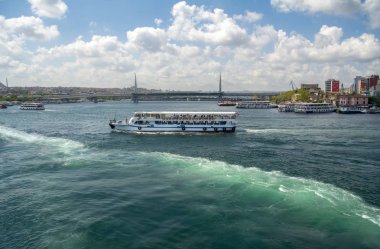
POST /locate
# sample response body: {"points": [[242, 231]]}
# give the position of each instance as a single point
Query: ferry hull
{"points": [[174, 128]]}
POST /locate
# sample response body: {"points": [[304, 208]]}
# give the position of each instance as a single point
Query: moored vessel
{"points": [[349, 110], [287, 107], [253, 105], [177, 122], [313, 108], [226, 103], [32, 106]]}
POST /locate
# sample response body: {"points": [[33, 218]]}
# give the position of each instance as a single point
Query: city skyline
{"points": [[184, 45]]}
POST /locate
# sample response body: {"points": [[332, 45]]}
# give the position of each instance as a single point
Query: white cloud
{"points": [[15, 32], [249, 17], [333, 7], [189, 54], [328, 36], [48, 8], [28, 27], [372, 7], [147, 38], [192, 23], [339, 7], [158, 21]]}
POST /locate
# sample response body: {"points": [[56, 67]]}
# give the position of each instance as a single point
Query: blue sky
{"points": [[183, 45]]}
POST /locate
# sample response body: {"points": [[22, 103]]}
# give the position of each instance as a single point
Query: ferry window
{"points": [[223, 122]]}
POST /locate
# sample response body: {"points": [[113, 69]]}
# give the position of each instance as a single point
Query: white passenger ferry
{"points": [[253, 105], [287, 107], [32, 106], [177, 122], [313, 107]]}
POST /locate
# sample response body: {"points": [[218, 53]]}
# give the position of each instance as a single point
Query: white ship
{"points": [[177, 122], [288, 107], [32, 106], [313, 107], [253, 105]]}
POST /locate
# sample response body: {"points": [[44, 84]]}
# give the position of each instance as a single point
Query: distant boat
{"points": [[372, 110], [313, 108], [3, 106], [288, 107], [253, 105], [32, 106], [349, 110], [226, 103]]}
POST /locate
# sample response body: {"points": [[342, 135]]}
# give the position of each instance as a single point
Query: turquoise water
{"points": [[283, 180]]}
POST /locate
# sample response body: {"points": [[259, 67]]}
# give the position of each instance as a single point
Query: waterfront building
{"points": [[375, 91], [373, 80], [353, 100], [363, 85], [357, 83], [311, 88], [332, 86]]}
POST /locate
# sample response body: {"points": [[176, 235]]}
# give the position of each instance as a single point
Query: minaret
{"points": [[6, 81]]}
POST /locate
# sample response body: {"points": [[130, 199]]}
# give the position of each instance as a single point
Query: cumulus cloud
{"points": [[189, 54], [193, 23], [372, 7], [333, 7], [48, 8], [249, 16], [15, 32], [147, 38], [340, 7], [28, 27], [158, 21]]}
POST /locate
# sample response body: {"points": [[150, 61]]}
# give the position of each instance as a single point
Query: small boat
{"points": [[226, 103], [32, 106], [177, 122], [3, 106], [349, 110], [372, 110]]}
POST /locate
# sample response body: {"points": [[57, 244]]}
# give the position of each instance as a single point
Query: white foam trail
{"points": [[269, 131], [283, 189], [295, 188], [21, 136]]}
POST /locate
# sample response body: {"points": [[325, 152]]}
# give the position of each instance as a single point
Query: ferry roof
{"points": [[191, 113]]}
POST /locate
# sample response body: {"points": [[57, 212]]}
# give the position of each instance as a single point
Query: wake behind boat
{"points": [[177, 122]]}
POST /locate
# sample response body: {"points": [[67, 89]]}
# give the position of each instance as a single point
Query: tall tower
{"points": [[6, 81], [220, 96], [134, 95]]}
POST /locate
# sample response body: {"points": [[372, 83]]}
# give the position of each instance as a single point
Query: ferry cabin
{"points": [[178, 122]]}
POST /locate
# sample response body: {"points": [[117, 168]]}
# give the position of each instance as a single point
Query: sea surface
{"points": [[282, 180]]}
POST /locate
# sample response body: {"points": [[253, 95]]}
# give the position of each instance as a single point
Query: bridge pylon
{"points": [[135, 98], [220, 93]]}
